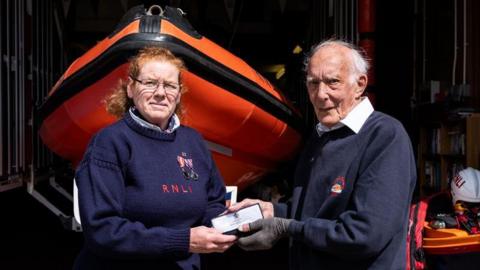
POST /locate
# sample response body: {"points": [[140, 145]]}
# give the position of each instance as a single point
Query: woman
{"points": [[148, 186]]}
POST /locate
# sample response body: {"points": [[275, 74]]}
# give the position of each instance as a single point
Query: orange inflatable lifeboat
{"points": [[449, 241], [441, 241], [249, 126]]}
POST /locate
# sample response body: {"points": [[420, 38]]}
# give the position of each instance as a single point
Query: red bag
{"points": [[415, 252]]}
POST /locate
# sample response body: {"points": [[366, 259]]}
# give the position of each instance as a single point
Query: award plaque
{"points": [[229, 223]]}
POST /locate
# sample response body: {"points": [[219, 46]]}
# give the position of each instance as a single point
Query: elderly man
{"points": [[354, 179]]}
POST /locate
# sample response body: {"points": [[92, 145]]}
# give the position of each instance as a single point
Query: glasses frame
{"points": [[157, 84]]}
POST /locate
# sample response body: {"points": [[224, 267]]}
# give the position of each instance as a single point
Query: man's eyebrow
{"points": [[313, 76], [323, 77]]}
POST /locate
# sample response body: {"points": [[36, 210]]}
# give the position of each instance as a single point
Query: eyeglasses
{"points": [[152, 85]]}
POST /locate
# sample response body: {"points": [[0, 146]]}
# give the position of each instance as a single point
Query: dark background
{"points": [[413, 46]]}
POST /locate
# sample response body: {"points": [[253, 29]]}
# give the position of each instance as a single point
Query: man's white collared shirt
{"points": [[354, 119]]}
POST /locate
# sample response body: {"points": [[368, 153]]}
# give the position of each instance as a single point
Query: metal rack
{"points": [[31, 59]]}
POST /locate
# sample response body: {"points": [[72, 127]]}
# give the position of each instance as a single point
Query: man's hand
{"points": [[266, 233], [208, 240], [267, 207]]}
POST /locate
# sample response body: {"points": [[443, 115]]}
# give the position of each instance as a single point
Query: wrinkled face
{"points": [[156, 91], [332, 86]]}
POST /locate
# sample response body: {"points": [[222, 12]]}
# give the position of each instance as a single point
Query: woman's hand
{"points": [[267, 207], [208, 240]]}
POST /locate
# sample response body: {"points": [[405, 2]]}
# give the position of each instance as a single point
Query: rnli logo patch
{"points": [[186, 165], [338, 186]]}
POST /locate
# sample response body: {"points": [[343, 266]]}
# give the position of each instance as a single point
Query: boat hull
{"points": [[449, 241], [248, 125]]}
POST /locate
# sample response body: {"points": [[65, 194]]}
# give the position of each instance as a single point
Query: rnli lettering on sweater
{"points": [[176, 188]]}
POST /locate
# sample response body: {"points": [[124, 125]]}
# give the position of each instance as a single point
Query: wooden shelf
{"points": [[446, 147]]}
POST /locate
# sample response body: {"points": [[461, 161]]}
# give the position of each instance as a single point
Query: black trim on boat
{"points": [[176, 17], [132, 14], [197, 62], [150, 24]]}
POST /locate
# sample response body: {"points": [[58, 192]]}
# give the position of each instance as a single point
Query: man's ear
{"points": [[362, 82]]}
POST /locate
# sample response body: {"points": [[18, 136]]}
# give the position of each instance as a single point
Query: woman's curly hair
{"points": [[118, 102]]}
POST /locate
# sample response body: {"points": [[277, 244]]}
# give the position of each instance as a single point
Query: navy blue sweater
{"points": [[351, 198], [140, 192]]}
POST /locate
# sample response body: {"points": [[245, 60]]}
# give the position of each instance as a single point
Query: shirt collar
{"points": [[354, 119], [173, 123]]}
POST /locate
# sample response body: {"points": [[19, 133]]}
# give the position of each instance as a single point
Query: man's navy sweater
{"points": [[351, 198], [140, 192]]}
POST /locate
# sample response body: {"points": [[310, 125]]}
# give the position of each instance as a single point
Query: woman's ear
{"points": [[177, 99], [130, 88]]}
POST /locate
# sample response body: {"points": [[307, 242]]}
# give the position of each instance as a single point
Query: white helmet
{"points": [[465, 186]]}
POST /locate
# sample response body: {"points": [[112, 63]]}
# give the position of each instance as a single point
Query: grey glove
{"points": [[266, 232]]}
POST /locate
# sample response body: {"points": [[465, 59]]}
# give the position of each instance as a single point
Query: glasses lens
{"points": [[170, 87], [152, 85]]}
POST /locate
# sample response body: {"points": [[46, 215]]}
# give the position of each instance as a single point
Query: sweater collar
{"points": [[354, 119], [148, 131], [173, 122]]}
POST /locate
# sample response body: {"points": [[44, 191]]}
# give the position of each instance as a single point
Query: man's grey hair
{"points": [[359, 62]]}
